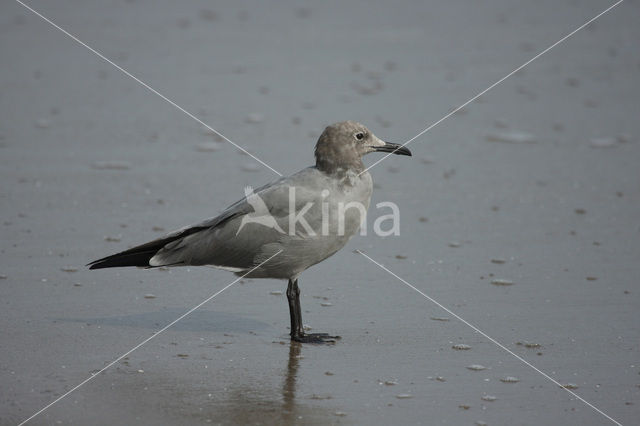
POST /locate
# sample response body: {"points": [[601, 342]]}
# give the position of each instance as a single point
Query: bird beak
{"points": [[393, 148]]}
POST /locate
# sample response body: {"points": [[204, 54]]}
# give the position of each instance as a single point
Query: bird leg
{"points": [[297, 330], [293, 296]]}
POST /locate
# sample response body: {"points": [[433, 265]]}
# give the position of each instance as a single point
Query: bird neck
{"points": [[337, 166], [345, 177], [342, 170]]}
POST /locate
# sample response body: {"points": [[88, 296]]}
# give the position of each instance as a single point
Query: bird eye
{"points": [[359, 136]]}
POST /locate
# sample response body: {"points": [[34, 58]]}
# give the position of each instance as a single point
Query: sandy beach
{"points": [[520, 213]]}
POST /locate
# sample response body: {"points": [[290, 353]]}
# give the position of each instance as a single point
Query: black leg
{"points": [[297, 330], [292, 298], [299, 326]]}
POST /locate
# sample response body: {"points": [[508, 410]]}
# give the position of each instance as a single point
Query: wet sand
{"points": [[519, 213]]}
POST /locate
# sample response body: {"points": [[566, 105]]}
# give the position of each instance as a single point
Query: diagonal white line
{"points": [[145, 85], [498, 82], [500, 345], [93, 375]]}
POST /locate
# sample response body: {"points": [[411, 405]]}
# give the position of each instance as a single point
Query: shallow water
{"points": [[536, 244]]}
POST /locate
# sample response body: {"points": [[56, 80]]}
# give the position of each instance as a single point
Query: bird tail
{"points": [[140, 255], [136, 256]]}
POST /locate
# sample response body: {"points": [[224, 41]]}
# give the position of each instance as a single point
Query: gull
{"points": [[312, 214]]}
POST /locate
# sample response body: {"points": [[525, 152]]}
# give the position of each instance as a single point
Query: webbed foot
{"points": [[316, 338]]}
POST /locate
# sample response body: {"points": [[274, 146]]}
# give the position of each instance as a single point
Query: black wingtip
{"points": [[140, 255], [127, 258]]}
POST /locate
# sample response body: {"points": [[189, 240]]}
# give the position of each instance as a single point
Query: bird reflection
{"points": [[289, 384]]}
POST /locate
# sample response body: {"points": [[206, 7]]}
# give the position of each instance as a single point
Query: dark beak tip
{"points": [[394, 148], [402, 150]]}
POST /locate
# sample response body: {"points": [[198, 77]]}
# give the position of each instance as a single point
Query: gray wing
{"points": [[235, 241], [141, 255], [226, 242]]}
